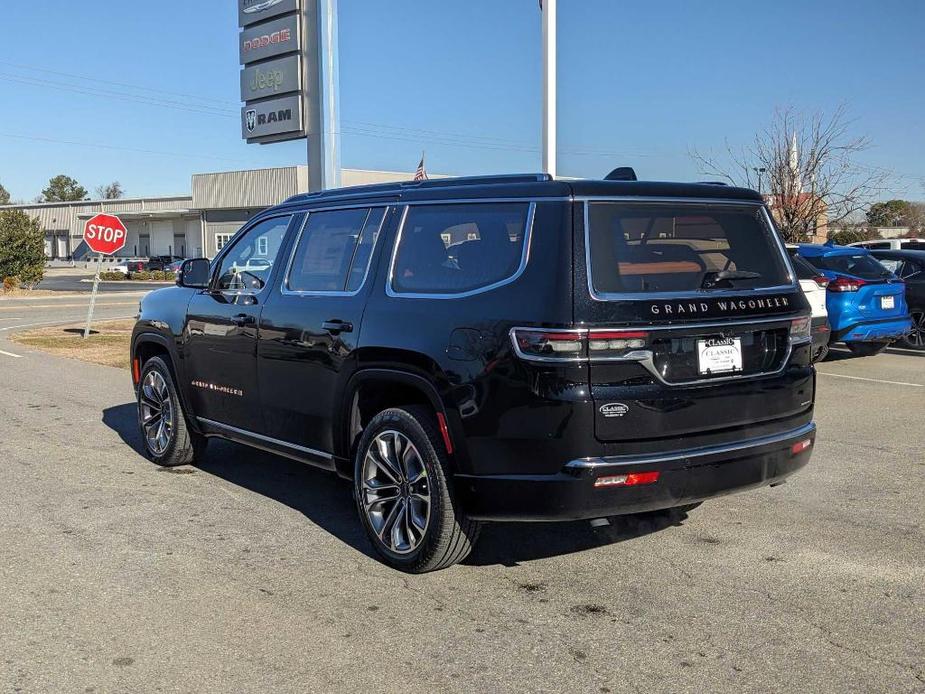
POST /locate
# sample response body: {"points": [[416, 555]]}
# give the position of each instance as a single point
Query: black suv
{"points": [[510, 348]]}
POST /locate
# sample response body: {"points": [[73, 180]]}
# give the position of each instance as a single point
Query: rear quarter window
{"points": [[458, 248], [681, 247]]}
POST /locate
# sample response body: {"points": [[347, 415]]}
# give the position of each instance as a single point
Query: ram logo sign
{"points": [[273, 117]]}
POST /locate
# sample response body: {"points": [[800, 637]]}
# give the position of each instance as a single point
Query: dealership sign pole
{"points": [[548, 8], [289, 79], [104, 234]]}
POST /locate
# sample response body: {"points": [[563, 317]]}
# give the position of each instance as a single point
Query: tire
{"points": [[866, 349], [916, 338], [165, 434], [821, 354], [409, 534]]}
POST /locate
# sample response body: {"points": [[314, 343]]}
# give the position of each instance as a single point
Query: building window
{"points": [[222, 239], [262, 245]]}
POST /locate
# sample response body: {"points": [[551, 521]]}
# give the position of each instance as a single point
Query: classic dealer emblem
{"points": [[614, 409], [261, 6], [250, 119]]}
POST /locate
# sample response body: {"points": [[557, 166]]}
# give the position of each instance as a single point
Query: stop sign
{"points": [[104, 233]]}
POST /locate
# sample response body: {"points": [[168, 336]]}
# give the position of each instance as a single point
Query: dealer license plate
{"points": [[887, 302], [719, 355]]}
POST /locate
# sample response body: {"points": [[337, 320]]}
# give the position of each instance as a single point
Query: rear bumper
{"points": [[685, 477], [874, 331]]}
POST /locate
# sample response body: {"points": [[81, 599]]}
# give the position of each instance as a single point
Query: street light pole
{"points": [[549, 86]]}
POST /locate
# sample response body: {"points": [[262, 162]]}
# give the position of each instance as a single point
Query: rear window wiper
{"points": [[712, 279]]}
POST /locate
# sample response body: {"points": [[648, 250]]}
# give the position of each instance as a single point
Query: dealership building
{"points": [[190, 226]]}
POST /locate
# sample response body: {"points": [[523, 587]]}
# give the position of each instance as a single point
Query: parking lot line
{"points": [[83, 305], [872, 380], [10, 354]]}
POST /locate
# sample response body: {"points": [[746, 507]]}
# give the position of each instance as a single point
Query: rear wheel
{"points": [[404, 493], [866, 349], [821, 353], [165, 435], [916, 338]]}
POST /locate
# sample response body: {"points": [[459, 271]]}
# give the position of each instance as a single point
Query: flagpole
{"points": [[549, 86]]}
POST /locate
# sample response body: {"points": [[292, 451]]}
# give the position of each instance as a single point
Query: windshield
{"points": [[681, 247], [860, 265]]}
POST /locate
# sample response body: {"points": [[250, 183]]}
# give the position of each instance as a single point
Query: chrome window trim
{"points": [[284, 284], [524, 255], [633, 296], [701, 452], [268, 439]]}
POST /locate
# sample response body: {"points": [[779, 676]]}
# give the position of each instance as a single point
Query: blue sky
{"points": [[147, 92]]}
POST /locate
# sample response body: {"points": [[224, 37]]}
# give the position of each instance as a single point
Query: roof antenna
{"points": [[622, 173]]}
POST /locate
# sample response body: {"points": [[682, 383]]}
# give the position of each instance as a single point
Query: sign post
{"points": [[104, 234], [549, 86]]}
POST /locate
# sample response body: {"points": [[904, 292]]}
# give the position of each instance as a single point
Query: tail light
{"points": [[800, 330], [821, 280], [551, 345], [629, 480], [845, 284], [615, 343], [575, 345]]}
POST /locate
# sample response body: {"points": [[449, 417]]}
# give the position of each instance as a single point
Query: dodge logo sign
{"points": [[250, 120]]}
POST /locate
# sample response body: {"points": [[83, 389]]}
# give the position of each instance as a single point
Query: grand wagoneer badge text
{"points": [[719, 307]]}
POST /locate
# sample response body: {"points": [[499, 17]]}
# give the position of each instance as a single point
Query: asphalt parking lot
{"points": [[251, 573]]}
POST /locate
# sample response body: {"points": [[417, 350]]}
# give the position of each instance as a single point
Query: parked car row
{"points": [[167, 263], [872, 298]]}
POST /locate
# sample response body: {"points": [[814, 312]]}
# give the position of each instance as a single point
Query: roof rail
{"points": [[398, 186], [713, 183]]}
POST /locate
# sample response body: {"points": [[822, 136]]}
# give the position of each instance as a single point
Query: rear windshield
{"points": [[860, 265], [681, 247]]}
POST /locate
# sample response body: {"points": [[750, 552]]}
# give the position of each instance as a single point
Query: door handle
{"points": [[336, 325], [242, 319]]}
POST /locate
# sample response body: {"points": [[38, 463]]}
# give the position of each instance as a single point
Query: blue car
{"points": [[866, 302]]}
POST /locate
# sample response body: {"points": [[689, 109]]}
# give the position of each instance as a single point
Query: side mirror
{"points": [[194, 273]]}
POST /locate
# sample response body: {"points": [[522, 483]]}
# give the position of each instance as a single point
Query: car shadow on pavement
{"points": [[327, 501]]}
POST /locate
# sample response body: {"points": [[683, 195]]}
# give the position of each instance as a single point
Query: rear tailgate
{"points": [[877, 300], [690, 311]]}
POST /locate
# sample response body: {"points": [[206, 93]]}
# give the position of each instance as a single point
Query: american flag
{"points": [[421, 173]]}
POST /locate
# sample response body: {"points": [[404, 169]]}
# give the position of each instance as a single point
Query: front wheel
{"points": [[866, 349], [167, 438], [916, 338], [404, 493]]}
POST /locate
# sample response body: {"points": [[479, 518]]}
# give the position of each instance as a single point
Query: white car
{"points": [[814, 288], [891, 245]]}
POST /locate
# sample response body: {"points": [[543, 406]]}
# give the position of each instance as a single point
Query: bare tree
{"points": [[807, 169], [113, 191]]}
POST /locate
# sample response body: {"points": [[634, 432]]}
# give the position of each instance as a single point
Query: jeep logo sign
{"points": [[273, 78], [272, 117]]}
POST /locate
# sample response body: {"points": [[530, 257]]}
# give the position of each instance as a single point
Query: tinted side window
{"points": [[451, 249], [248, 264], [334, 250], [804, 270]]}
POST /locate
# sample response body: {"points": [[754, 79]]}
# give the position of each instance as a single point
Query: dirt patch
{"points": [[107, 345], [20, 293]]}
